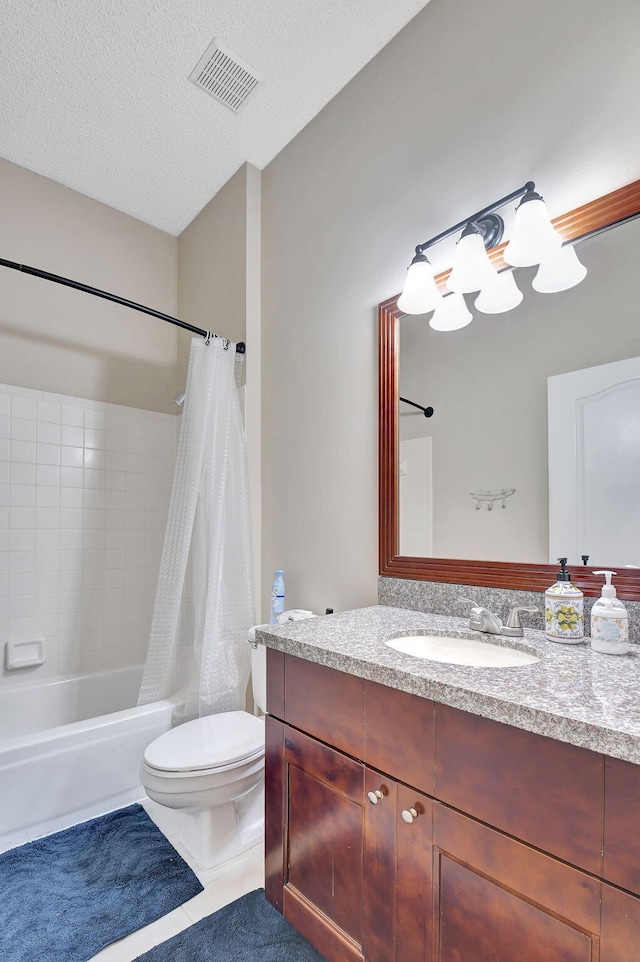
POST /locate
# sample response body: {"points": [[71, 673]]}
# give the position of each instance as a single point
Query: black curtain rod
{"points": [[428, 411], [76, 285]]}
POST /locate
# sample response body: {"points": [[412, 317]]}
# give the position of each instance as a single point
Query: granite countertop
{"points": [[572, 694]]}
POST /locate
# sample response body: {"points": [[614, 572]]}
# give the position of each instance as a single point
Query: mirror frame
{"points": [[593, 218]]}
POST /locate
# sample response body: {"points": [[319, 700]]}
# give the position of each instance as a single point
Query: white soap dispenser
{"points": [[609, 621]]}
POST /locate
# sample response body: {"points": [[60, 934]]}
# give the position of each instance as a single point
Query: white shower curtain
{"points": [[204, 598]]}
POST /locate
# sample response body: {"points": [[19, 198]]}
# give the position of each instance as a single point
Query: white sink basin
{"points": [[461, 651]]}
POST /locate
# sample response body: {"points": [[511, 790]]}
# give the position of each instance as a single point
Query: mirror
{"points": [[471, 482]]}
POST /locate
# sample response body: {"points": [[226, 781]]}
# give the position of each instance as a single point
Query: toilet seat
{"points": [[213, 743]]}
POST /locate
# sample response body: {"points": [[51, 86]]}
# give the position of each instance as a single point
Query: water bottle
{"points": [[277, 596]]}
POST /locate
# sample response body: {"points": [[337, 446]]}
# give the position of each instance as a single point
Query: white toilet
{"points": [[212, 770]]}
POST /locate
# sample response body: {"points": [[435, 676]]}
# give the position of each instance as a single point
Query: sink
{"points": [[461, 651]]}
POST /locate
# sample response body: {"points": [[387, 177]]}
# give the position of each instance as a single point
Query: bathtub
{"points": [[70, 749]]}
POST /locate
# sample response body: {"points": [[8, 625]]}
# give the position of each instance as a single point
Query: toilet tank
{"points": [[258, 671]]}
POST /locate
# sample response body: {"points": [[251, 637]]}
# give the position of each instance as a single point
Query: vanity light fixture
{"points": [[534, 242]]}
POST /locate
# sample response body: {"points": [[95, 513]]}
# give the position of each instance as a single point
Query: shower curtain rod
{"points": [[76, 285]]}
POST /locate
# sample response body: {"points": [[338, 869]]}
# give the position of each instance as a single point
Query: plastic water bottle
{"points": [[277, 596]]}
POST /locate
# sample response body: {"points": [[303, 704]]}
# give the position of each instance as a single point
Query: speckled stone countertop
{"points": [[572, 694]]}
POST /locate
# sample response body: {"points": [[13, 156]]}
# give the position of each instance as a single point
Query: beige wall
{"points": [[212, 266], [464, 105], [56, 339]]}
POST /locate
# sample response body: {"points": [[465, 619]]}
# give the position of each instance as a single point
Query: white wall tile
{"points": [[47, 539], [71, 456], [48, 453], [23, 451], [23, 406], [48, 433], [23, 430], [22, 539], [48, 411], [72, 415], [48, 474], [84, 494]]}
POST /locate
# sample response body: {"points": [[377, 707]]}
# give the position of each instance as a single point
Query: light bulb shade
{"points": [[451, 314], [472, 269], [502, 294], [534, 236], [559, 272], [420, 294]]}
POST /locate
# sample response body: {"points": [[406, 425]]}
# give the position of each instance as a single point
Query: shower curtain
{"points": [[204, 598]]}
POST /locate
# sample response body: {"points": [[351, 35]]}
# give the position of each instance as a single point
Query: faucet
{"points": [[481, 619]]}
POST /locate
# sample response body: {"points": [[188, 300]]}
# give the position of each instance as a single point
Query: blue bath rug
{"points": [[248, 930], [66, 896]]}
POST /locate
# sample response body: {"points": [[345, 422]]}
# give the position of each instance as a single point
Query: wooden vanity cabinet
{"points": [[402, 831]]}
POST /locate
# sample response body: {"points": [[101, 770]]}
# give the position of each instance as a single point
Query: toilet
{"points": [[211, 769]]}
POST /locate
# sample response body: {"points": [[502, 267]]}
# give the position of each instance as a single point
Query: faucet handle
{"points": [[513, 621], [468, 601]]}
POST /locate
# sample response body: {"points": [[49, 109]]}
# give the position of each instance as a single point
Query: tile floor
{"points": [[222, 885]]}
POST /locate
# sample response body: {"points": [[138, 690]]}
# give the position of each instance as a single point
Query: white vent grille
{"points": [[224, 76]]}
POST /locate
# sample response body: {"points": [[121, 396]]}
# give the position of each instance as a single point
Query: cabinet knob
{"points": [[409, 815], [374, 797]]}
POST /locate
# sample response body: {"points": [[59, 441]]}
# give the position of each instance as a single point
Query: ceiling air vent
{"points": [[224, 76]]}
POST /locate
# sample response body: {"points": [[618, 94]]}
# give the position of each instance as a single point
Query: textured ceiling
{"points": [[95, 93]]}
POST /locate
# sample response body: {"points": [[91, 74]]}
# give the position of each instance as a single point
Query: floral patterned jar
{"points": [[564, 610]]}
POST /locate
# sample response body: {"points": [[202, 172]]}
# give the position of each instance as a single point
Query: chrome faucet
{"points": [[481, 619]]}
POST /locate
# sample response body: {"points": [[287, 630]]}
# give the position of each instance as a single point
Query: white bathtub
{"points": [[70, 749]]}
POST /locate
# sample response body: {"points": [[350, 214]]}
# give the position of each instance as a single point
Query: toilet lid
{"points": [[210, 742]]}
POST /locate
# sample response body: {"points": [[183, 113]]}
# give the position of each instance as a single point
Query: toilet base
{"points": [[214, 835]]}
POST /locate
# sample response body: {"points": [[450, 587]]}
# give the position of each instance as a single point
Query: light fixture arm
{"points": [[529, 186]]}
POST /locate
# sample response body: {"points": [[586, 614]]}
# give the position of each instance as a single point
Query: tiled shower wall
{"points": [[84, 495]]}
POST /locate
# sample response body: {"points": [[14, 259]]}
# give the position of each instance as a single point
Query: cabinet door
{"points": [[397, 889], [322, 819], [499, 900], [620, 933], [379, 881], [414, 907], [621, 843]]}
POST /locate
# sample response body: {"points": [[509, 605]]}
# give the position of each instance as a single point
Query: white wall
{"points": [[466, 104], [415, 510]]}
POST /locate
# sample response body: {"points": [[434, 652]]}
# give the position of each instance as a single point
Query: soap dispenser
{"points": [[564, 609], [609, 621]]}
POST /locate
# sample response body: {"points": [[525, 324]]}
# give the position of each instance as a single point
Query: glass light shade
{"points": [[451, 314], [472, 269], [534, 236], [559, 272], [500, 295], [420, 294]]}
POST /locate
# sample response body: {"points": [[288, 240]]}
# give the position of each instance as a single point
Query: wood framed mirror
{"points": [[588, 221]]}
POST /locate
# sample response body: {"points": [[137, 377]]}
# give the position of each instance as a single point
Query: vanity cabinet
{"points": [[399, 830]]}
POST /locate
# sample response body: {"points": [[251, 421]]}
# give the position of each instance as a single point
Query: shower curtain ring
{"points": [[227, 342], [207, 339]]}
